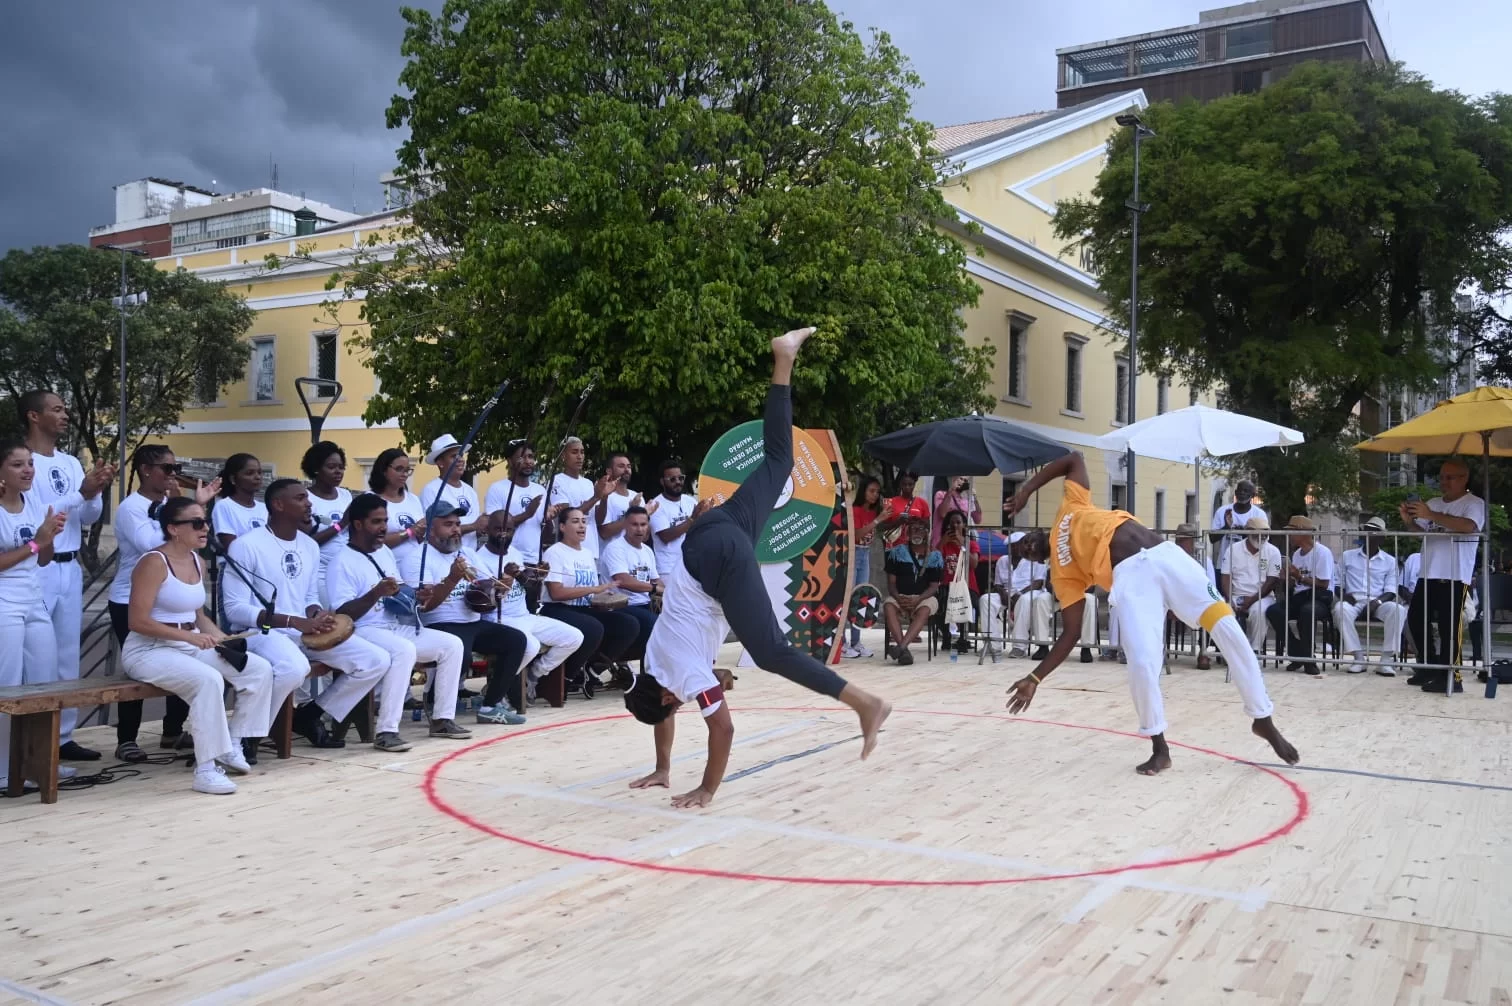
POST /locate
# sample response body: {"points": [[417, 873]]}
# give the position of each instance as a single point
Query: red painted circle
{"points": [[1299, 814]]}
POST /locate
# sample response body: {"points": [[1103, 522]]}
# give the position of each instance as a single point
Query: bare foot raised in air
{"points": [[871, 723], [786, 346], [1265, 729]]}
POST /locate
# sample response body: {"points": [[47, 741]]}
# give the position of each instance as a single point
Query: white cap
{"points": [[439, 446], [1015, 537]]}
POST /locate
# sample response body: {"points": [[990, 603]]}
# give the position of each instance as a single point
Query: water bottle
{"points": [[415, 715]]}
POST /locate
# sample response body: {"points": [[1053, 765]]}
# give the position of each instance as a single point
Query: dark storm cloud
{"points": [[97, 92]]}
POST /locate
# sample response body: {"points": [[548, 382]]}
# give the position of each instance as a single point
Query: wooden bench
{"points": [[35, 711]]}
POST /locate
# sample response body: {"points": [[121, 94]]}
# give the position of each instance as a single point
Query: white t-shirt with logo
{"points": [[229, 517], [463, 496], [670, 514], [352, 574], [437, 568], [401, 517], [331, 512], [527, 537], [574, 491], [21, 584], [1452, 557], [615, 505], [1318, 563], [571, 567], [1248, 570], [57, 483], [637, 560], [285, 572], [686, 638], [512, 604]]}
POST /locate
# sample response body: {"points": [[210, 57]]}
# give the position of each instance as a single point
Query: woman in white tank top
{"points": [[172, 644]]}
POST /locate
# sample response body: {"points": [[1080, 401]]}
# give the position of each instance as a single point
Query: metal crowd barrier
{"points": [[990, 640]]}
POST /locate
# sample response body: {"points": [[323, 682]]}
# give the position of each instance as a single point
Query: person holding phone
{"points": [[957, 499]]}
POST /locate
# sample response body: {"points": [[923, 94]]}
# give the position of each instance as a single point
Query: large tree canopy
{"points": [[645, 192], [1297, 243]]}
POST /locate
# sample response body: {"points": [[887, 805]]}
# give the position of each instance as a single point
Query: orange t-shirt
{"points": [[1079, 545]]}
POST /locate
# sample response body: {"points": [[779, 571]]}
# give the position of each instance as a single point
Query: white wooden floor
{"points": [[933, 873]]}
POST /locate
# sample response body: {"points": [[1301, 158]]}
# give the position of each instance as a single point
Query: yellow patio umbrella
{"points": [[1478, 421]]}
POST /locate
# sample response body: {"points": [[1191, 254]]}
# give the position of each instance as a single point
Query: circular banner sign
{"points": [[804, 506]]}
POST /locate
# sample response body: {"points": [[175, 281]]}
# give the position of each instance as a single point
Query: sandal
{"points": [[130, 752]]}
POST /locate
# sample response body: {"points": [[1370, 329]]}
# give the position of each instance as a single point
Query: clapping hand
{"points": [[98, 478], [48, 529], [205, 493]]}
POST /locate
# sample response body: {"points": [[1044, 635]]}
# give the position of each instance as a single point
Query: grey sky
{"points": [[100, 92]]}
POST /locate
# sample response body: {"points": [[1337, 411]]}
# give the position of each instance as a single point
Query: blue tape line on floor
{"points": [[787, 758], [1381, 775]]}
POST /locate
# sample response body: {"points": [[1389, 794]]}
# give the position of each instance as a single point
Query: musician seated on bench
{"points": [[272, 583], [173, 644]]}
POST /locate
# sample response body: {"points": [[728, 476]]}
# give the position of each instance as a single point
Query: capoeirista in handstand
{"points": [[717, 587], [1146, 576]]}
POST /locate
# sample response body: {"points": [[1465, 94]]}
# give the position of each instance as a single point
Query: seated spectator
{"points": [[864, 512], [572, 583], [173, 644], [363, 583], [1186, 537], [957, 499], [954, 540], [451, 569], [1251, 580], [630, 564], [1370, 581], [549, 642], [1022, 590], [1308, 575], [913, 580]]}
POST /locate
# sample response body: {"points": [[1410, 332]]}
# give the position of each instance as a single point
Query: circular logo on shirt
{"points": [[256, 522], [406, 521], [292, 566], [804, 505], [59, 483], [26, 533]]}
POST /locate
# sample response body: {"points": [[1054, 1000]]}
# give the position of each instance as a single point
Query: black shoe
{"points": [[74, 751], [1313, 670], [963, 645], [249, 749], [169, 742], [466, 693], [1044, 651], [1086, 655], [310, 725], [1294, 667], [904, 658], [1419, 679], [1441, 686]]}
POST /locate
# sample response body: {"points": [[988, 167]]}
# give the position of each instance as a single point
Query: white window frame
{"points": [[1078, 343]]}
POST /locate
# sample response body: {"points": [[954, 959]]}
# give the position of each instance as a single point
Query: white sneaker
{"points": [[66, 772], [1383, 665], [210, 779], [1356, 667], [234, 761], [863, 651], [851, 653]]}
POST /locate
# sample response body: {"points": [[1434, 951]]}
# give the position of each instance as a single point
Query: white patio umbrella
{"points": [[1187, 435]]}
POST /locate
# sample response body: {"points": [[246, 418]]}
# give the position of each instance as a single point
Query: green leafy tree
{"points": [[59, 330], [643, 194], [1297, 243]]}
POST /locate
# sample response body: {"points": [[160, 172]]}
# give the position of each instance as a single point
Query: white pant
{"points": [[280, 647], [199, 678], [406, 646], [1164, 578], [1391, 615], [63, 596], [989, 617], [1255, 623], [1089, 622], [555, 641], [27, 656]]}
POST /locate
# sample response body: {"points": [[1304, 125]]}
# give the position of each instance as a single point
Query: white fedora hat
{"points": [[440, 446]]}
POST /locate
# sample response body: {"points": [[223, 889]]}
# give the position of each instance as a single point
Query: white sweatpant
{"points": [[1255, 623], [199, 678], [990, 617], [63, 597], [362, 665], [406, 646], [1391, 615], [1089, 622], [27, 656], [1164, 578], [1032, 611], [280, 647], [554, 641]]}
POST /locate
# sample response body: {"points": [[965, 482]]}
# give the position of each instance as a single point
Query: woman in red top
{"points": [[953, 536], [902, 510], [864, 513]]}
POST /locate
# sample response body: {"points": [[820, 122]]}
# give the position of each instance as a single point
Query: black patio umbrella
{"points": [[968, 445]]}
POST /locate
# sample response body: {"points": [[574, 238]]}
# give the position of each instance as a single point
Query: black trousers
{"points": [[1442, 604], [719, 552], [605, 633], [1307, 608], [646, 618], [504, 644], [129, 714]]}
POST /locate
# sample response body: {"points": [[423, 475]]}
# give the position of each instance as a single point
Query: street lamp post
{"points": [[122, 302], [1136, 209]]}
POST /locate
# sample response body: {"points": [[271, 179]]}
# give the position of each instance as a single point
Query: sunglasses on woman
{"points": [[171, 468], [198, 523]]}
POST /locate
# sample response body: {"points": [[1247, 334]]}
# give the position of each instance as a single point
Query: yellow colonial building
{"points": [[1060, 367]]}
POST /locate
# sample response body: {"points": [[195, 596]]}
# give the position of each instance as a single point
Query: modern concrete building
{"points": [[1230, 50]]}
